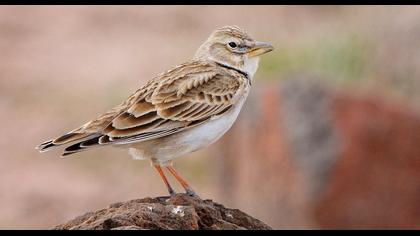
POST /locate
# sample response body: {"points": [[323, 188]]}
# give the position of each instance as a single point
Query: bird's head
{"points": [[232, 46]]}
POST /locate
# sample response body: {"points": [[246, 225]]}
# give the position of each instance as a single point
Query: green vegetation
{"points": [[342, 59]]}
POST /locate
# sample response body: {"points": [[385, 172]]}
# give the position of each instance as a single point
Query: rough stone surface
{"points": [[178, 212]]}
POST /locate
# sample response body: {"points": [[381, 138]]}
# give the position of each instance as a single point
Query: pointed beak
{"points": [[260, 48]]}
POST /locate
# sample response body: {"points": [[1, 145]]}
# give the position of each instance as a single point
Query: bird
{"points": [[182, 110]]}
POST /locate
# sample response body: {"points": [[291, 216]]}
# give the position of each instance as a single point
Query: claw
{"points": [[191, 193], [172, 192]]}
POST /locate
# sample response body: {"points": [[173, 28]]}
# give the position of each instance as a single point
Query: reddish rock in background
{"points": [[327, 158], [376, 183]]}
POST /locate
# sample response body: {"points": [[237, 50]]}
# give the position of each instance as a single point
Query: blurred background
{"points": [[329, 137]]}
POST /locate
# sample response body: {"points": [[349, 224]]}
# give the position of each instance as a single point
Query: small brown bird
{"points": [[180, 111]]}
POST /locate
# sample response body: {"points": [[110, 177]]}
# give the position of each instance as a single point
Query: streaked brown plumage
{"points": [[182, 102]]}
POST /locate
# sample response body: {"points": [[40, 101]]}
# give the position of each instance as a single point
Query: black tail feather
{"points": [[45, 146], [80, 146]]}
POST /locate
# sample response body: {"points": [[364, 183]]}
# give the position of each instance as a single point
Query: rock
{"points": [[181, 212]]}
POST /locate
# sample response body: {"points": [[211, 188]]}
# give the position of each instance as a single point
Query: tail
{"points": [[66, 139]]}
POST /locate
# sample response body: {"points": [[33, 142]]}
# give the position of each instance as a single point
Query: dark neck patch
{"points": [[237, 70]]}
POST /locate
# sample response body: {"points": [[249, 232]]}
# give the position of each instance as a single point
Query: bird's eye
{"points": [[233, 45]]}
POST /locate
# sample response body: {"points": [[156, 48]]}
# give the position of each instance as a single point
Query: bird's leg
{"points": [[184, 183], [159, 169]]}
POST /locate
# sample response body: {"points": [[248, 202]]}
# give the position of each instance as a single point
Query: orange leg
{"points": [[159, 169], [184, 183]]}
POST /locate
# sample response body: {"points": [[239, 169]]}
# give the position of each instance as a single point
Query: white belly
{"points": [[207, 133]]}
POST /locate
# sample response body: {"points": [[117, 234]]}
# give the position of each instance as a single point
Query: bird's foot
{"points": [[172, 193], [191, 193]]}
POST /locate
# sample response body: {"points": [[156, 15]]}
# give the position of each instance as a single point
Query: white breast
{"points": [[251, 65]]}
